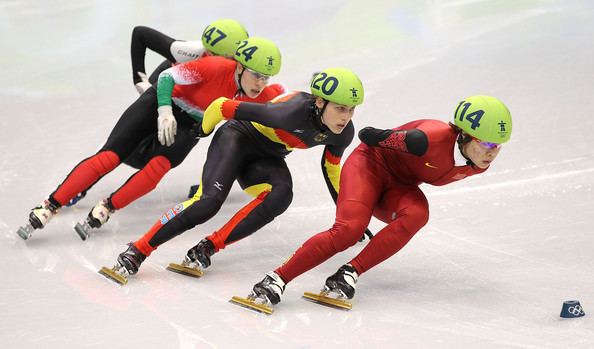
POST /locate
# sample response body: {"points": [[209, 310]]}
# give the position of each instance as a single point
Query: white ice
{"points": [[500, 254]]}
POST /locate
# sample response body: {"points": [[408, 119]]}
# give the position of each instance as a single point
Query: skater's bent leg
{"points": [[222, 165], [135, 124], [410, 212], [163, 159], [84, 175], [270, 179], [253, 216], [352, 218], [178, 220], [141, 183]]}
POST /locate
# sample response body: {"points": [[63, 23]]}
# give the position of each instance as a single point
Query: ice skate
{"points": [[98, 216], [264, 295], [38, 218], [337, 291], [127, 264], [196, 260]]}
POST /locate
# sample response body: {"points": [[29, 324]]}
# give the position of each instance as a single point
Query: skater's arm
{"points": [[143, 38], [182, 74], [412, 141], [284, 115], [331, 160], [331, 172]]}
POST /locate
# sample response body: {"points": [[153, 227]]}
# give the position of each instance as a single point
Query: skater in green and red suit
{"points": [[170, 114], [219, 38]]}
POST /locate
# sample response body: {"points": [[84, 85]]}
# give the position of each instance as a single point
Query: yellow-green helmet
{"points": [[338, 85], [260, 55], [222, 36], [485, 118]]}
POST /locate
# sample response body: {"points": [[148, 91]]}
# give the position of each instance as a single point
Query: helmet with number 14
{"points": [[485, 118]]}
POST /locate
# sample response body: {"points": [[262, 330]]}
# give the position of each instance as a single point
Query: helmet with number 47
{"points": [[338, 85], [259, 55], [222, 36], [485, 118]]}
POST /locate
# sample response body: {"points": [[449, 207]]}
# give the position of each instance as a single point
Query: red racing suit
{"points": [[381, 178]]}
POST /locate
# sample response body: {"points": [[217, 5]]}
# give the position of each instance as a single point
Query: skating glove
{"points": [[144, 84], [213, 115], [167, 125]]}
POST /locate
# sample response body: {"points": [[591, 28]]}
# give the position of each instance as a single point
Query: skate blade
{"points": [[113, 276], [323, 299], [182, 269], [25, 232], [82, 229], [251, 305]]}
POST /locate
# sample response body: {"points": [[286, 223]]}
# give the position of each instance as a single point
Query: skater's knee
{"points": [[415, 219], [346, 233], [157, 167], [282, 196], [204, 209], [105, 161]]}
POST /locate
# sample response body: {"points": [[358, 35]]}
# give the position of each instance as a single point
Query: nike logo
{"points": [[429, 165]]}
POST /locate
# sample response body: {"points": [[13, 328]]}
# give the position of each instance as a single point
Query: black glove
{"points": [[373, 136], [197, 132], [368, 233]]}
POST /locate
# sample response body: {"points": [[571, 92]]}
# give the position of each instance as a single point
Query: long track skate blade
{"points": [[25, 232], [251, 305], [325, 300], [82, 229], [113, 276], [182, 269]]}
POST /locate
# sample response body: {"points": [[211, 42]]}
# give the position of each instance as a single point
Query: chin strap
{"points": [[240, 90], [318, 114], [463, 138]]}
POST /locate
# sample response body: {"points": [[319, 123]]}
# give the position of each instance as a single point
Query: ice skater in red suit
{"points": [[381, 178]]}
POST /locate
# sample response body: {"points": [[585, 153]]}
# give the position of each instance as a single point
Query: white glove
{"points": [[167, 125], [144, 84]]}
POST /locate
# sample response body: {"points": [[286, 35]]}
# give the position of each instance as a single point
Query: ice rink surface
{"points": [[500, 254]]}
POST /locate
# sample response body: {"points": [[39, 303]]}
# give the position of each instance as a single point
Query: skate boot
{"points": [[343, 281], [264, 295], [38, 218], [128, 263], [98, 216], [196, 260], [338, 289]]}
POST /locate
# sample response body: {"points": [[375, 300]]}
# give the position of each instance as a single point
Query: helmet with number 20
{"points": [[485, 118], [222, 36], [260, 55], [338, 85]]}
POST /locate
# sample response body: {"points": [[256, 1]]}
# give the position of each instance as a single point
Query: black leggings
{"points": [[232, 155], [135, 133]]}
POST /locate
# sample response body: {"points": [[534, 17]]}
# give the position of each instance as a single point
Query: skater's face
{"points": [[252, 82], [335, 116], [481, 153]]}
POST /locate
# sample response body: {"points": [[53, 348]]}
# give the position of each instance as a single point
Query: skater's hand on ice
{"points": [[144, 84], [167, 125], [213, 115]]}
